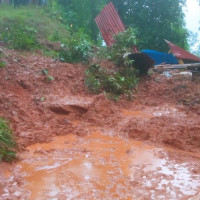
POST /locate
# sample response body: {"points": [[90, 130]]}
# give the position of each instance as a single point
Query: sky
{"points": [[192, 18], [192, 13]]}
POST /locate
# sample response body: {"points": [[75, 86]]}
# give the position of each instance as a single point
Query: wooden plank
{"points": [[179, 66]]}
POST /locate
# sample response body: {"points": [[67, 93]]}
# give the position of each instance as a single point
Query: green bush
{"points": [[124, 43], [30, 27], [7, 143], [2, 64], [94, 74], [123, 79], [113, 83], [18, 35], [47, 78], [77, 49]]}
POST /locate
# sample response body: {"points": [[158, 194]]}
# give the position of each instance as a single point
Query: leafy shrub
{"points": [[2, 64], [94, 74], [18, 35], [47, 78], [7, 143], [123, 79], [76, 49], [113, 83], [124, 43]]}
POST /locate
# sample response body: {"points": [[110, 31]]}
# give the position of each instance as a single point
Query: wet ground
{"points": [[99, 166], [74, 145]]}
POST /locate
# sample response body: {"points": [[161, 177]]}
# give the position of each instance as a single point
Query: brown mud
{"points": [[74, 145]]}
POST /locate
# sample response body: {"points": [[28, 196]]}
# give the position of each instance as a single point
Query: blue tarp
{"points": [[160, 57]]}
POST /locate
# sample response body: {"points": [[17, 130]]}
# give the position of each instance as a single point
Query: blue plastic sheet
{"points": [[160, 57]]}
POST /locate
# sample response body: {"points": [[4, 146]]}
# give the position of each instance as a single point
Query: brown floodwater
{"points": [[99, 166]]}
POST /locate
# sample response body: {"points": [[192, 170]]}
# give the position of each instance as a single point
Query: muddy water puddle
{"points": [[98, 166], [150, 112]]}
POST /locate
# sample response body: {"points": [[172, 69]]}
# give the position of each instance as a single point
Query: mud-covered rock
{"points": [[67, 105]]}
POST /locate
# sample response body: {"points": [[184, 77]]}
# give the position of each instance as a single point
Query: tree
{"points": [[194, 43], [154, 21], [80, 15]]}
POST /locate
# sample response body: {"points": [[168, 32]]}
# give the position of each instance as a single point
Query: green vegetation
{"points": [[19, 36], [77, 49], [59, 20], [79, 15], [194, 43], [71, 24], [124, 43], [36, 19], [119, 81], [154, 22], [29, 28], [65, 30], [2, 64], [113, 83], [47, 78], [7, 143]]}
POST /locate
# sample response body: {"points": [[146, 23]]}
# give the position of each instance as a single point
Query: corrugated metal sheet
{"points": [[109, 23], [181, 53]]}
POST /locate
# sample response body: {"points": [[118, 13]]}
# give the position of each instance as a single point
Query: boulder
{"points": [[67, 105]]}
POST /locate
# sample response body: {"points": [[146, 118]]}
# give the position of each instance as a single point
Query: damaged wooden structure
{"points": [[110, 24], [186, 61]]}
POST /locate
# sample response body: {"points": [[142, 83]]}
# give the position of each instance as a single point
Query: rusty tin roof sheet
{"points": [[109, 23], [181, 53]]}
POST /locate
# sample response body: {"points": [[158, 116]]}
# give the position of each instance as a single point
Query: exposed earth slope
{"points": [[145, 149]]}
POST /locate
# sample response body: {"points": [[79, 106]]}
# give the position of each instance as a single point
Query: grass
{"points": [[47, 28], [2, 64], [7, 143], [31, 27], [35, 17]]}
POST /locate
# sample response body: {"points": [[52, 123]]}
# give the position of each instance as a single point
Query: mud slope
{"points": [[164, 111], [25, 90], [74, 145]]}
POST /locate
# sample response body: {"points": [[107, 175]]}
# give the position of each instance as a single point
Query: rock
{"points": [[67, 105], [23, 84], [16, 119]]}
